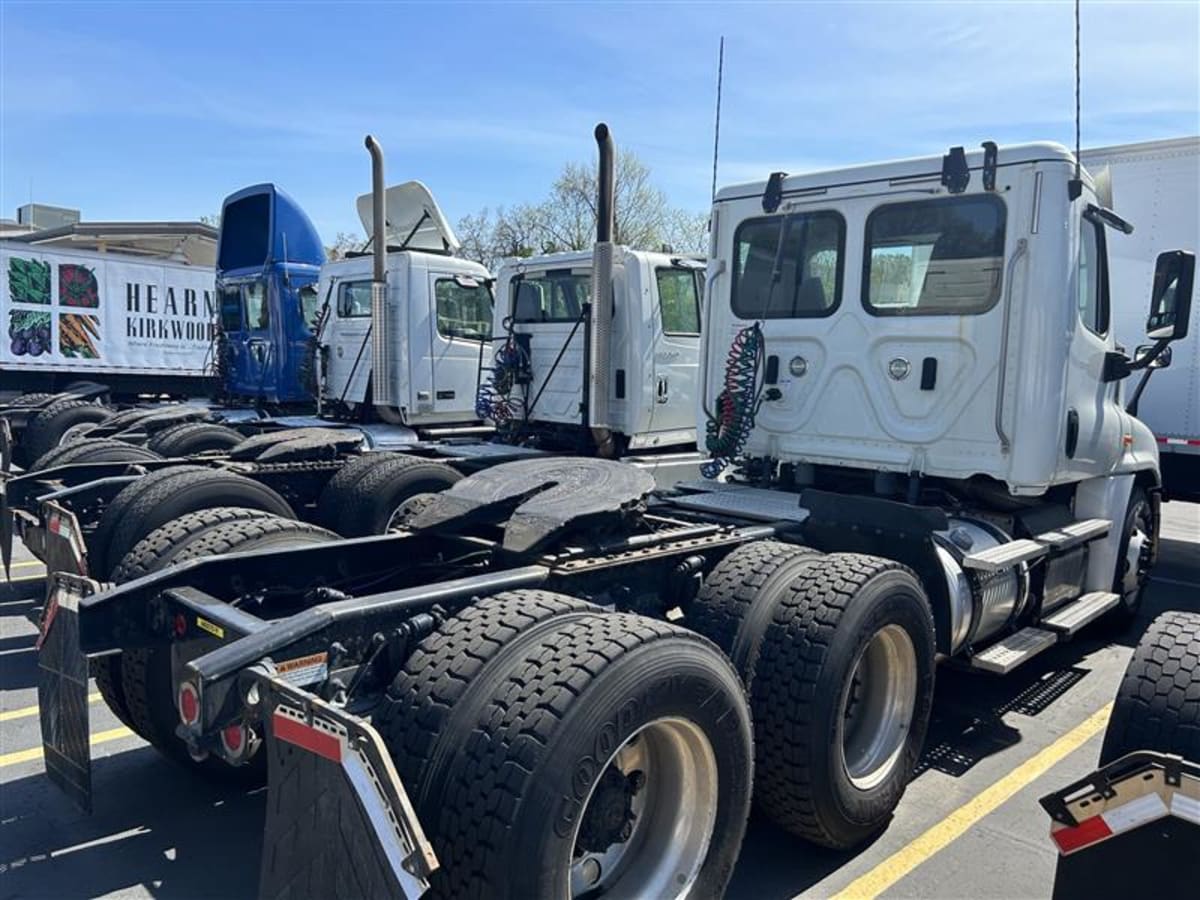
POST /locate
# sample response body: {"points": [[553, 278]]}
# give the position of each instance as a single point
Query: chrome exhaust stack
{"points": [[600, 325], [382, 364]]}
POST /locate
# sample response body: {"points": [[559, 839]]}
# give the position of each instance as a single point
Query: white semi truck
{"points": [[1156, 185], [550, 680]]}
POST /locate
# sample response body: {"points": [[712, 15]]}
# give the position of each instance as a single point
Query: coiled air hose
{"points": [[729, 426], [494, 399]]}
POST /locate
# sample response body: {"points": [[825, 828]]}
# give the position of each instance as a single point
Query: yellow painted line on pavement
{"points": [[27, 564], [28, 711], [903, 861], [102, 737]]}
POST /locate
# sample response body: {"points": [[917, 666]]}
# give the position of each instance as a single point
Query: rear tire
{"points": [[533, 801], [1158, 702], [46, 429], [171, 497], [147, 687], [736, 602], [841, 699], [94, 451], [369, 504], [150, 555], [187, 438]]}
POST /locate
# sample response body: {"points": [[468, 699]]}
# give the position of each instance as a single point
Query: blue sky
{"points": [[158, 110]]}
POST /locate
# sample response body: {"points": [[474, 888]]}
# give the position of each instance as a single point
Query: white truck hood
{"points": [[411, 206]]}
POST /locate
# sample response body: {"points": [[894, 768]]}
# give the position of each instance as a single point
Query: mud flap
{"points": [[6, 442], [63, 549], [1129, 829], [6, 529], [63, 688], [339, 823]]}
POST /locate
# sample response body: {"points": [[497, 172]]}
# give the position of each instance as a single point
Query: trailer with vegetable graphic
{"points": [[73, 314]]}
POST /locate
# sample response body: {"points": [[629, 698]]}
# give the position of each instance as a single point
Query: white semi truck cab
{"points": [[413, 358], [937, 332], [539, 376]]}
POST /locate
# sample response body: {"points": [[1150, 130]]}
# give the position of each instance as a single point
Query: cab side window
{"points": [[1092, 280], [354, 299]]}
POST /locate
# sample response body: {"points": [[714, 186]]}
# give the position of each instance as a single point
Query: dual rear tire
{"points": [[838, 654], [535, 727]]}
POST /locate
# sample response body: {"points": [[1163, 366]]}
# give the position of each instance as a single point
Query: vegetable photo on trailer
{"points": [[28, 332], [77, 286], [28, 280]]}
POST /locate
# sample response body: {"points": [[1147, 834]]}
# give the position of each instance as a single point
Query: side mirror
{"points": [[1161, 361], [1171, 296]]}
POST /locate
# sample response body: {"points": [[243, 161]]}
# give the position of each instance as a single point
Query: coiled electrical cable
{"points": [[729, 425], [494, 399]]}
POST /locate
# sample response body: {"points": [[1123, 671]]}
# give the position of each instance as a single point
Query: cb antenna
{"points": [[717, 126], [1075, 186]]}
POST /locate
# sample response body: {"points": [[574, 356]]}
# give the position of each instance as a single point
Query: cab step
{"points": [[1075, 534], [1008, 653], [1067, 620], [1012, 553], [1003, 556]]}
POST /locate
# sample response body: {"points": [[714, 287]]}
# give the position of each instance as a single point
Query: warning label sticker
{"points": [[304, 670]]}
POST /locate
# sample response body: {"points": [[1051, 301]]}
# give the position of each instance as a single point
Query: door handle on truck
{"points": [[661, 389]]}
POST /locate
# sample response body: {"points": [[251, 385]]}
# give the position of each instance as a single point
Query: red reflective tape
{"points": [[1094, 829], [308, 738], [1186, 442]]}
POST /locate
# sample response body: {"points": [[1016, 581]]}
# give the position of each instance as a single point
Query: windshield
{"points": [[555, 295], [809, 280]]}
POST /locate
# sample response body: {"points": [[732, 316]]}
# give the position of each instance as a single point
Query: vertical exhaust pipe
{"points": [[382, 381], [600, 324]]}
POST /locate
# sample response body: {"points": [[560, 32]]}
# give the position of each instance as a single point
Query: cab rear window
{"points": [[934, 257], [806, 283]]}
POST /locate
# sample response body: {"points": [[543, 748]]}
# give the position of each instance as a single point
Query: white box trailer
{"points": [[135, 325], [1156, 187]]}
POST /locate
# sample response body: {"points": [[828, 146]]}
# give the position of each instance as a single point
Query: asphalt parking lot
{"points": [[969, 825]]}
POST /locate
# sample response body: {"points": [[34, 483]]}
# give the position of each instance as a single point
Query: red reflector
{"points": [[234, 738], [308, 738], [189, 704], [1088, 832], [180, 625]]}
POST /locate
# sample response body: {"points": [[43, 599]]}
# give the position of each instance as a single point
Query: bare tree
{"points": [[342, 244], [566, 220]]}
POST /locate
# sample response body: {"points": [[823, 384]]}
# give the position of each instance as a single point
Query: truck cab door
{"points": [[1092, 426], [676, 350], [246, 322], [347, 339], [460, 317]]}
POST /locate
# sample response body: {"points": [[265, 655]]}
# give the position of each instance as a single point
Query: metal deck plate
{"points": [[1005, 655], [1070, 618], [486, 450], [748, 502]]}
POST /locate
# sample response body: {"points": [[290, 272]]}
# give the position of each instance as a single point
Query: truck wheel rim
{"points": [[656, 801], [878, 707], [1137, 553]]}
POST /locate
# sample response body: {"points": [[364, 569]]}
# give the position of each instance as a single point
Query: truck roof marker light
{"points": [[310, 737], [189, 703]]}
